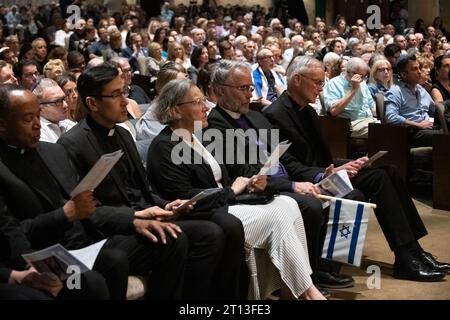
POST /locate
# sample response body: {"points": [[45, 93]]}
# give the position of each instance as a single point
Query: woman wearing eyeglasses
{"points": [[380, 79], [275, 242]]}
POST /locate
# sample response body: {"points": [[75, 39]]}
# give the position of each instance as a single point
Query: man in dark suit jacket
{"points": [[396, 213], [18, 282], [101, 90], [37, 193], [232, 82]]}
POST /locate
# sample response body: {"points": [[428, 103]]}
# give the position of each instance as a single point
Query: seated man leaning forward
{"points": [[348, 96]]}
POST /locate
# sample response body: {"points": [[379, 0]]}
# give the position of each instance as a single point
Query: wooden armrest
{"points": [[336, 132], [392, 138]]}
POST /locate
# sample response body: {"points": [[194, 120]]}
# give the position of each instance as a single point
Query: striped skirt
{"points": [[275, 246]]}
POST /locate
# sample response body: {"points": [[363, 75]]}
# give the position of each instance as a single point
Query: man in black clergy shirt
{"points": [[37, 187], [232, 81], [396, 212], [21, 282], [102, 92]]}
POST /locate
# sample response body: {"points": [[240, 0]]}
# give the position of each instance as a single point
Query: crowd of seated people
{"points": [[124, 80]]}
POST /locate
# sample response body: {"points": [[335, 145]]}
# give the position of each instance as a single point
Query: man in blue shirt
{"points": [[410, 104], [348, 96]]}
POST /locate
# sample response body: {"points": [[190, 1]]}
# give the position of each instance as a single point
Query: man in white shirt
{"points": [[54, 110]]}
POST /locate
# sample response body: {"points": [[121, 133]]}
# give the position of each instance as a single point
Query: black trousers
{"points": [[227, 281], [396, 213], [21, 292], [164, 263], [92, 287], [206, 249], [423, 137], [113, 265], [182, 268]]}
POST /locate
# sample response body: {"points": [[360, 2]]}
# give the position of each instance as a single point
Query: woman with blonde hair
{"points": [[176, 54], [154, 59], [54, 68], [425, 66], [153, 25], [380, 78]]}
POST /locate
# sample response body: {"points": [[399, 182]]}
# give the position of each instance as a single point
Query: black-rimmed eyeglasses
{"points": [[54, 103]]}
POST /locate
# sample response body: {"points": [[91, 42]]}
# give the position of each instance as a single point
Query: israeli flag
{"points": [[346, 231]]}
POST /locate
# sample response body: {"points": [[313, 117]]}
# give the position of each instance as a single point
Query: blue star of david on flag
{"points": [[345, 231]]}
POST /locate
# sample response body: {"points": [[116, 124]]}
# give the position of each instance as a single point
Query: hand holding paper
{"points": [[272, 161], [97, 173], [205, 193]]}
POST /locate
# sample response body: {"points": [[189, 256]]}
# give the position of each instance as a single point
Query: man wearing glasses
{"points": [[348, 96], [102, 92], [396, 212], [54, 110], [268, 83], [233, 83]]}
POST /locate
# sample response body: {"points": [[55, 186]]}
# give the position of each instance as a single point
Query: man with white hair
{"points": [[355, 47], [329, 60], [198, 36], [240, 42], [54, 110], [269, 84], [297, 43], [248, 19], [348, 96], [396, 213]]}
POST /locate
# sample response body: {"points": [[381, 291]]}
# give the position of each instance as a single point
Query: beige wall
{"points": [[309, 4], [265, 3], [426, 10]]}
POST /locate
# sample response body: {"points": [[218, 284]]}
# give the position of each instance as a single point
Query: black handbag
{"points": [[255, 198]]}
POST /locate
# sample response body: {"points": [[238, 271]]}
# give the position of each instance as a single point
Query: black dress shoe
{"points": [[428, 259], [324, 292], [416, 270], [334, 280]]}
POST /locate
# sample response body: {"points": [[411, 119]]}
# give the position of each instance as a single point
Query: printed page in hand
{"points": [[199, 196], [272, 161], [97, 173], [55, 259], [336, 185]]}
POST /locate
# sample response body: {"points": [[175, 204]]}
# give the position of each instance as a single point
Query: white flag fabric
{"points": [[346, 231]]}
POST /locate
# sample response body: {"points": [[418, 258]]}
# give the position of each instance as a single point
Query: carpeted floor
{"points": [[377, 252]]}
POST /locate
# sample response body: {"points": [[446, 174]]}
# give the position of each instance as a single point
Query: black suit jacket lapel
{"points": [[136, 161], [96, 147], [57, 167]]}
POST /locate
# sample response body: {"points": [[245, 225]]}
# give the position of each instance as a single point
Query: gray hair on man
{"points": [[353, 42], [221, 74], [171, 95], [300, 65], [42, 86], [118, 60], [330, 58], [355, 64]]}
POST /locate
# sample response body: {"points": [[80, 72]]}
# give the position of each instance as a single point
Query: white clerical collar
{"points": [[22, 151], [232, 114], [111, 132]]}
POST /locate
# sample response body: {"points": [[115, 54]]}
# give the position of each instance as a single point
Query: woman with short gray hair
{"points": [[180, 166]]}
